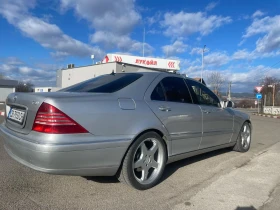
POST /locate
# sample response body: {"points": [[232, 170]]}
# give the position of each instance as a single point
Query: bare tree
{"points": [[24, 87], [215, 81], [2, 76], [245, 103], [271, 88]]}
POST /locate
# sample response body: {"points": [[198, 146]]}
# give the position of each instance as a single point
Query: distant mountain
{"points": [[241, 95]]}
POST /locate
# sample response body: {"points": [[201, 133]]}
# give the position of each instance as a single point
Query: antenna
{"points": [[144, 42]]}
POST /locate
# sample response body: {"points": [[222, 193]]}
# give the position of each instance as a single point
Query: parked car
{"points": [[128, 124]]}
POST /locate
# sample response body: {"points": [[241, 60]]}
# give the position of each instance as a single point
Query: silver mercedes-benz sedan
{"points": [[128, 124]]}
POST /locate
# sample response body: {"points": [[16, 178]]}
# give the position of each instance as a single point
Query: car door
{"points": [[170, 100], [217, 121]]}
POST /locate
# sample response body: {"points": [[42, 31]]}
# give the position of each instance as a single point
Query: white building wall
{"points": [[272, 110], [73, 76], [129, 68], [4, 92]]}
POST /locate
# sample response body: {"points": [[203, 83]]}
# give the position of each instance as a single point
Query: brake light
{"points": [[49, 119]]}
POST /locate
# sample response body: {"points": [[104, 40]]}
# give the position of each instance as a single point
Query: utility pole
{"points": [[144, 43], [229, 91], [202, 63], [273, 93]]}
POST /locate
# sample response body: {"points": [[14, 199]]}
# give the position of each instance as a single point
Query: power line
{"points": [[275, 64], [267, 69]]}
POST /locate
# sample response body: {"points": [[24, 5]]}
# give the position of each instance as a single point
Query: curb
{"points": [[265, 115]]}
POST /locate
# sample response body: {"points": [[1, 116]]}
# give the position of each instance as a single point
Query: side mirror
{"points": [[229, 104]]}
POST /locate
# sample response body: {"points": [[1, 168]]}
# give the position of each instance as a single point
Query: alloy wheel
{"points": [[148, 160], [245, 136]]}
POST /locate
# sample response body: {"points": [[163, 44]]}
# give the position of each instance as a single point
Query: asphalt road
{"points": [[214, 180]]}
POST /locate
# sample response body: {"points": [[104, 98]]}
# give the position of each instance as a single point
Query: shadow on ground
{"points": [[102, 179], [169, 169], [245, 208]]}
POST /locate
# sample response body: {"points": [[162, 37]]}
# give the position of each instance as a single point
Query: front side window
{"points": [[108, 83], [203, 95], [175, 90]]}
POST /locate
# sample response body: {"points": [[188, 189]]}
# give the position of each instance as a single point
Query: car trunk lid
{"points": [[26, 105]]}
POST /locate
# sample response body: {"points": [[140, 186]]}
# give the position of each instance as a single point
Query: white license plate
{"points": [[16, 115]]}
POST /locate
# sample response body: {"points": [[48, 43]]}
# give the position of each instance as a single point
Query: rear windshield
{"points": [[108, 83]]}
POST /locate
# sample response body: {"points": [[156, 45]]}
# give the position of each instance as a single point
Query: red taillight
{"points": [[51, 120]]}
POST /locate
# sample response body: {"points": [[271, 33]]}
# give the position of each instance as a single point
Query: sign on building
{"points": [[143, 61]]}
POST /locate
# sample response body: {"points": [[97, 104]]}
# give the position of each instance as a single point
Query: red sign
{"points": [[258, 88], [171, 64], [146, 62], [106, 59], [118, 58]]}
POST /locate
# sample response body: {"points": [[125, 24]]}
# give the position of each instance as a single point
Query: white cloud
{"points": [[269, 42], [154, 19], [176, 48], [198, 50], [246, 55], [11, 61], [37, 73], [112, 20], [243, 81], [25, 70], [216, 59], [258, 13], [48, 35], [242, 54], [183, 24], [194, 69], [153, 31], [119, 16], [270, 26], [122, 42], [243, 17], [59, 54], [211, 6]]}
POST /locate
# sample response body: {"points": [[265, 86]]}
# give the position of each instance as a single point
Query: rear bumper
{"points": [[96, 158]]}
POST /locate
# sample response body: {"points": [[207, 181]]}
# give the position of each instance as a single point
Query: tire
{"points": [[144, 162], [244, 138]]}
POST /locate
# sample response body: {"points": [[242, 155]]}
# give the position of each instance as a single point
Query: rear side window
{"points": [[176, 90], [108, 83]]}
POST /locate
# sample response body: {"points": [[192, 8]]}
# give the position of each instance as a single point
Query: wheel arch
{"points": [[160, 133]]}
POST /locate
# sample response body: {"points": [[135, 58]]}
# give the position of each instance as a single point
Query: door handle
{"points": [[206, 111], [164, 108]]}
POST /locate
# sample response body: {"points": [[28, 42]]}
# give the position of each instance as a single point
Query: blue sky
{"points": [[242, 37]]}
